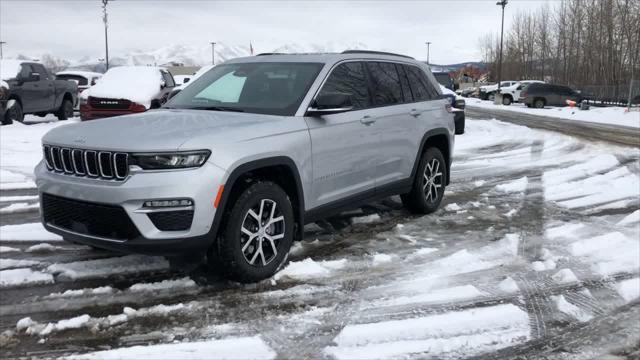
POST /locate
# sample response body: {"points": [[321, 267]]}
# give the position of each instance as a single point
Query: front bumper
{"points": [[200, 185]]}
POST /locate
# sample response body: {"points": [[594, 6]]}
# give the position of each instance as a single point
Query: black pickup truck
{"points": [[36, 91]]}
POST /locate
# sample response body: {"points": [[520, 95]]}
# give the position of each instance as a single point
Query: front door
{"points": [[344, 145]]}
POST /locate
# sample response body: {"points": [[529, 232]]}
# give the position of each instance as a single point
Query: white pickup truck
{"points": [[488, 92], [512, 93]]}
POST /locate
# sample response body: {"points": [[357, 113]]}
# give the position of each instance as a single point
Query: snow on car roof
{"points": [[86, 74], [139, 84], [9, 69]]}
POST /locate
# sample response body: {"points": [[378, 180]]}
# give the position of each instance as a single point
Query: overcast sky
{"points": [[74, 29]]}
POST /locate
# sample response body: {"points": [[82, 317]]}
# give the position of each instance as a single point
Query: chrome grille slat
{"points": [[107, 165]]}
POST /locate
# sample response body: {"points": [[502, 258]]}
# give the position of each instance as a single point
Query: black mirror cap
{"points": [[335, 100]]}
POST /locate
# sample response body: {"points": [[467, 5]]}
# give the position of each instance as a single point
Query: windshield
{"points": [[263, 88]]}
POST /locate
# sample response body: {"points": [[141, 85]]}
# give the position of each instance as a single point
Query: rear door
{"points": [[344, 145], [396, 121], [29, 90]]}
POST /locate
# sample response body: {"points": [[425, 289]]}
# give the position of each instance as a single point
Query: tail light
{"points": [[135, 107]]}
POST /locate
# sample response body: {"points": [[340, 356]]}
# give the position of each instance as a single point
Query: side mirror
{"points": [[186, 80], [331, 103], [34, 76]]}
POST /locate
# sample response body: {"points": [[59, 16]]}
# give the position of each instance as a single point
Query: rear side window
{"points": [[81, 80], [349, 78], [404, 83], [420, 86], [168, 79], [385, 83], [44, 74]]}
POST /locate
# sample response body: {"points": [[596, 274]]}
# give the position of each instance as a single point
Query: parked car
{"points": [[540, 95], [227, 168], [445, 79], [488, 92], [36, 91], [457, 104], [182, 79], [512, 93], [126, 90]]}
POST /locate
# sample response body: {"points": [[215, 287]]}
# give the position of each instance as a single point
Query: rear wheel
{"points": [[66, 110], [428, 185], [256, 239], [538, 103], [506, 100]]}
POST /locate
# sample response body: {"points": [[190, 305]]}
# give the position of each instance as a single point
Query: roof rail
{"points": [[271, 53], [374, 52]]}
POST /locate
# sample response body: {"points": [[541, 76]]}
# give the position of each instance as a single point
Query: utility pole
{"points": [[106, 37], [428, 45], [213, 53], [502, 3], [1, 43]]}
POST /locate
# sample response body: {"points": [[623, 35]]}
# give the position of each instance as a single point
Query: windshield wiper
{"points": [[218, 108]]}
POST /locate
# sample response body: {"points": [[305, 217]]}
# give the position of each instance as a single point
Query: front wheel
{"points": [[66, 110], [256, 239], [538, 104], [14, 114], [428, 185]]}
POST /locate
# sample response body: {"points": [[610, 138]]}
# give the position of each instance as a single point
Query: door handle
{"points": [[367, 120], [415, 112]]}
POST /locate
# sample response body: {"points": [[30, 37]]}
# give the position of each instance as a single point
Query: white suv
{"points": [[512, 93]]}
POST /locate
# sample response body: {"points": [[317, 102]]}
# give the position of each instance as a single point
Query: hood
{"points": [[170, 130]]}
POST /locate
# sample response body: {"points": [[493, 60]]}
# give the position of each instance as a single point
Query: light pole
{"points": [[428, 45], [502, 3], [106, 38], [213, 53], [1, 43]]}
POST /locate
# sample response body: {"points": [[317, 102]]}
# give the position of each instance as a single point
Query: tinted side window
{"points": [[420, 86], [385, 83], [44, 74], [168, 79], [25, 70], [404, 83], [349, 78]]}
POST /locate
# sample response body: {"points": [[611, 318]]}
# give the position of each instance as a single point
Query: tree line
{"points": [[574, 42]]}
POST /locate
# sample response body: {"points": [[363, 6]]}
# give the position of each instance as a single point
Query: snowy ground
{"points": [[607, 115], [535, 252]]}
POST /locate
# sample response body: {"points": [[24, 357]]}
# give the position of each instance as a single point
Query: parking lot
{"points": [[535, 247]]}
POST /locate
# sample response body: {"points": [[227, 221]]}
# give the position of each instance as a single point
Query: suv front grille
{"points": [[107, 221], [87, 163]]}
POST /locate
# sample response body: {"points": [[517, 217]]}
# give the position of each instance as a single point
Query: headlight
{"points": [[178, 160]]}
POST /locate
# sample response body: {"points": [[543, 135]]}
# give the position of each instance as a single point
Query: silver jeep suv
{"points": [[233, 166]]}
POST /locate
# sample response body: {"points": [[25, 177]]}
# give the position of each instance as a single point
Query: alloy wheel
{"points": [[262, 227], [432, 180]]}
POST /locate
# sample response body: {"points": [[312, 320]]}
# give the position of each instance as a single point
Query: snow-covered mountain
{"points": [[191, 55]]}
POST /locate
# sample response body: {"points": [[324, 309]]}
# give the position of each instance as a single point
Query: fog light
{"points": [[168, 203]]}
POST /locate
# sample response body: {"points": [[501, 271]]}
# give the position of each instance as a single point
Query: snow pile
{"points": [[4, 249], [379, 259], [609, 253], [565, 276], [581, 170], [43, 247], [629, 289], [373, 218], [110, 266], [18, 208], [429, 296], [17, 198], [568, 308], [454, 334], [17, 277], [608, 115], [519, 185], [308, 269], [509, 286], [103, 290], [633, 218], [182, 283], [139, 84], [12, 263], [27, 232], [568, 230], [230, 348], [452, 207]]}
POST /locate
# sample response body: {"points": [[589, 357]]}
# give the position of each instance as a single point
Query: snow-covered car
{"points": [[457, 107], [126, 90], [512, 93], [36, 90], [488, 92]]}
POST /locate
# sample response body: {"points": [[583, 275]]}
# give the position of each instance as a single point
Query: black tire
{"points": [[425, 198], [538, 103], [235, 255], [41, 114], [528, 105], [506, 100], [6, 118], [491, 96], [66, 110], [15, 113]]}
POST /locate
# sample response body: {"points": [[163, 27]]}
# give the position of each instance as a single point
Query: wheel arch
{"points": [[280, 169], [441, 139]]}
